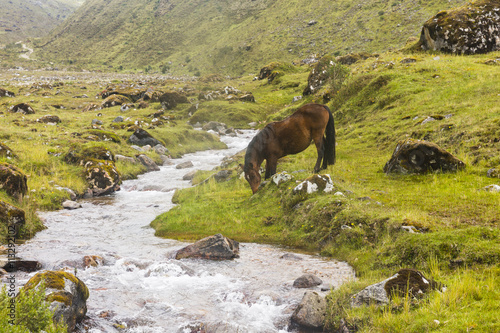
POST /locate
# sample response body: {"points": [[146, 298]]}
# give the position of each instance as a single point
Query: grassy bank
{"points": [[384, 100]]}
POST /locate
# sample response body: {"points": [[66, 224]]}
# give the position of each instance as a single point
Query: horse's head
{"points": [[252, 175]]}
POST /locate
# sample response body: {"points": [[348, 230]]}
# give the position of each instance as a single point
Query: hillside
{"points": [[22, 19], [229, 37]]}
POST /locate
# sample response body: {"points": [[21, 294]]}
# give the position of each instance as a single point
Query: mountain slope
{"points": [[21, 19], [231, 37]]}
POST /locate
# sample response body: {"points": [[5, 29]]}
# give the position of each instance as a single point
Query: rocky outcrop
{"points": [[13, 180], [103, 177], [22, 108], [266, 72], [12, 219], [66, 294], [420, 156], [405, 282], [315, 183], [215, 247], [141, 138], [311, 311], [473, 28]]}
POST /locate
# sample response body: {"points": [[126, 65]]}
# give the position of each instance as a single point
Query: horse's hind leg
{"points": [[320, 147]]}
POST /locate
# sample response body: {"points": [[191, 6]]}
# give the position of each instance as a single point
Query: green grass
{"points": [[457, 220]]}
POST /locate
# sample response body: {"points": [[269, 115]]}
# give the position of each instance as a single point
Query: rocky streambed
{"points": [[135, 284]]}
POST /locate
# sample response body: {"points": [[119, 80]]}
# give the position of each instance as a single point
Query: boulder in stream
{"points": [[66, 294], [102, 176], [215, 247], [311, 311]]}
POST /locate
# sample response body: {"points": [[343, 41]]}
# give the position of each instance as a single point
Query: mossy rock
{"points": [[103, 177], [275, 70], [5, 151], [13, 180], [420, 156], [470, 29], [134, 93], [12, 218], [114, 100], [102, 135], [49, 119], [169, 100], [353, 58], [22, 108], [79, 155], [66, 294]]}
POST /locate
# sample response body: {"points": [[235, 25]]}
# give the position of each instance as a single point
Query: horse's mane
{"points": [[259, 141]]}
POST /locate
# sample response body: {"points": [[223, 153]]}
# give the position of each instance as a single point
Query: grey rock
{"points": [[69, 204], [184, 165], [311, 311], [148, 162], [307, 281], [215, 247]]}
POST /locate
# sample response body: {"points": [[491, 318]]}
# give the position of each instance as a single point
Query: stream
{"points": [[139, 288]]}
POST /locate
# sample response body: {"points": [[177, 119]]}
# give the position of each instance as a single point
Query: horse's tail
{"points": [[329, 156]]}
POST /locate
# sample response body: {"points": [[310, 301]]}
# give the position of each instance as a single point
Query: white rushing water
{"points": [[139, 288]]}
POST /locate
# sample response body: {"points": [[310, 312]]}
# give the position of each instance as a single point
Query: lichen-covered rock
{"points": [[142, 137], [420, 156], [311, 311], [326, 71], [12, 219], [66, 294], [470, 29], [281, 177], [13, 180], [131, 92], [6, 93], [114, 100], [405, 282], [315, 183], [21, 108], [103, 177], [49, 119], [215, 247], [5, 151]]}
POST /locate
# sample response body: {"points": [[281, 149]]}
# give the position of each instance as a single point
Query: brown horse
{"points": [[311, 122]]}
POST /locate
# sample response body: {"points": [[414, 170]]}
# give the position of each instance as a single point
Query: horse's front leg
{"points": [[271, 164]]}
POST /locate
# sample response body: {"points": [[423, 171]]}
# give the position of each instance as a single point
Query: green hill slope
{"points": [[22, 19], [231, 37]]}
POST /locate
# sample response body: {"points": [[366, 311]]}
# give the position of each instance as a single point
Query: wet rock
{"points": [[13, 180], [22, 108], [184, 165], [66, 294], [49, 119], [102, 176], [93, 261], [291, 256], [70, 204], [147, 162], [114, 100], [6, 93], [420, 156], [161, 150], [5, 151], [189, 175], [11, 265], [142, 138], [166, 160], [315, 183], [311, 311], [406, 281], [12, 218], [307, 281], [470, 29], [215, 247], [215, 126]]}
